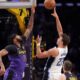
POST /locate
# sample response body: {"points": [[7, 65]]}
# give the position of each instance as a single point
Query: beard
{"points": [[20, 41]]}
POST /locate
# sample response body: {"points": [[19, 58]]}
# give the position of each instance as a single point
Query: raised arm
{"points": [[58, 23], [30, 24], [51, 52]]}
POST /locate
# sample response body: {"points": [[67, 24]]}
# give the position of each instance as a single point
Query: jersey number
{"points": [[60, 62]]}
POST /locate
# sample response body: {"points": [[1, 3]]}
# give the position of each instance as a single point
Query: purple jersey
{"points": [[17, 57]]}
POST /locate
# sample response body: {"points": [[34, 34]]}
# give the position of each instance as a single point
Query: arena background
{"points": [[44, 24]]}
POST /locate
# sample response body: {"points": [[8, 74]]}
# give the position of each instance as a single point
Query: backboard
{"points": [[4, 4]]}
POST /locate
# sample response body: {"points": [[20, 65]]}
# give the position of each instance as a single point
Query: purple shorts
{"points": [[12, 75]]}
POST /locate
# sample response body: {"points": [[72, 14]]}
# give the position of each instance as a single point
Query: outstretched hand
{"points": [[38, 40], [54, 13]]}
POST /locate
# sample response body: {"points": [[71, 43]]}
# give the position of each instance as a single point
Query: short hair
{"points": [[65, 39], [67, 65]]}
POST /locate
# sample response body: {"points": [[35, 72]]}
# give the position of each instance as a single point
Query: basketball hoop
{"points": [[17, 4]]}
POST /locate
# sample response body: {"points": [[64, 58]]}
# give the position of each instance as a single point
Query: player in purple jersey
{"points": [[16, 53]]}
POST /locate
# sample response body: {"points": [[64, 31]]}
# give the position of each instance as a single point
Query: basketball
{"points": [[49, 4]]}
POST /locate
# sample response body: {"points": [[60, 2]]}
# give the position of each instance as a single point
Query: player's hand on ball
{"points": [[49, 4], [54, 13]]}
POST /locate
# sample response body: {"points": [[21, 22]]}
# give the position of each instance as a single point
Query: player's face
{"points": [[18, 38], [59, 40]]}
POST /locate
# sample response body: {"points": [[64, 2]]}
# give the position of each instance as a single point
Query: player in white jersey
{"points": [[58, 52]]}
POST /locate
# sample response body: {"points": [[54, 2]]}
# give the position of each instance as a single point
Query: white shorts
{"points": [[54, 76]]}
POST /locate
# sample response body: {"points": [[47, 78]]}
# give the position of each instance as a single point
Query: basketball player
{"points": [[67, 67], [17, 53], [58, 52]]}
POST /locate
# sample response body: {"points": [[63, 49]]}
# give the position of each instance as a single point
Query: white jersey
{"points": [[58, 62]]}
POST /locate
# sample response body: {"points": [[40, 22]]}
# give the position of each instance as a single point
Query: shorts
{"points": [[12, 75], [54, 76]]}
